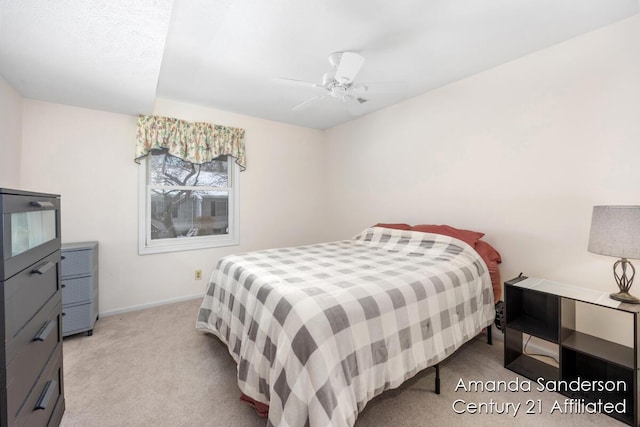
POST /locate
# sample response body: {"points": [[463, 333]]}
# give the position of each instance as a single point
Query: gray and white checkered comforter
{"points": [[318, 331]]}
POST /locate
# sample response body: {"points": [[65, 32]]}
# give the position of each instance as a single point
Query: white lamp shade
{"points": [[615, 231]]}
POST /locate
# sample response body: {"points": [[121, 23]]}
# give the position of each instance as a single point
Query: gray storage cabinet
{"points": [[31, 379], [79, 287]]}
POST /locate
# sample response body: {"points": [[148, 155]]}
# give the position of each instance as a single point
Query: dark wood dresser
{"points": [[31, 382]]}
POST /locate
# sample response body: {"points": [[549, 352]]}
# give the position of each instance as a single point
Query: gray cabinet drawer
{"points": [[26, 293], [76, 319], [77, 290], [31, 350], [76, 262], [46, 397]]}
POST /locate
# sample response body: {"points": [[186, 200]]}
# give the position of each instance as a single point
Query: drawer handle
{"points": [[44, 332], [45, 205], [44, 398], [42, 268]]}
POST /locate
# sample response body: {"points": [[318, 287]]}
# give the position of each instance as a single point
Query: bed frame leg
{"points": [[437, 365]]}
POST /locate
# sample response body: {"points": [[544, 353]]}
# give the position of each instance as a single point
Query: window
{"points": [[185, 206]]}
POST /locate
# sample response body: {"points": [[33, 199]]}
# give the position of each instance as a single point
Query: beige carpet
{"points": [[152, 368]]}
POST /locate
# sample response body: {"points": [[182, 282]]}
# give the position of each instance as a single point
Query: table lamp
{"points": [[615, 231]]}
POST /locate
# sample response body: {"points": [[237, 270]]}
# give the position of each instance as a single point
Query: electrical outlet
{"points": [[198, 274]]}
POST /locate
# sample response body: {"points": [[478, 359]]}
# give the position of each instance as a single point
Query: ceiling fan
{"points": [[339, 83]]}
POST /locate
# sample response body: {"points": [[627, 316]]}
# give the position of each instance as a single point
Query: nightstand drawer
{"points": [[76, 262], [76, 318], [26, 292], [77, 290], [44, 398], [35, 345]]}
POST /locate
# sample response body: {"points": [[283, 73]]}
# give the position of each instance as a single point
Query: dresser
{"points": [[31, 389], [79, 287]]}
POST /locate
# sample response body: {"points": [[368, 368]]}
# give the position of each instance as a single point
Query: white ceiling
{"points": [[119, 55]]}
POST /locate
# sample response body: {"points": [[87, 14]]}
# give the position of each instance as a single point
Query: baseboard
{"points": [[148, 305]]}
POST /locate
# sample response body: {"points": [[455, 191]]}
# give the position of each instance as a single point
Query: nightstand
{"points": [[547, 310]]}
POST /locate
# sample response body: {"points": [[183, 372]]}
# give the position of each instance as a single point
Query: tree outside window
{"points": [[188, 205]]}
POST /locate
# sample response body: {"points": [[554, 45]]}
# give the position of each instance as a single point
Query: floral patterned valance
{"points": [[196, 142]]}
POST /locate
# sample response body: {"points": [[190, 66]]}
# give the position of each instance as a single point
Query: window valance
{"points": [[196, 142]]}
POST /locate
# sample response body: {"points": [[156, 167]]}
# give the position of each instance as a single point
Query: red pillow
{"points": [[496, 283], [487, 252], [492, 258], [467, 236], [395, 226]]}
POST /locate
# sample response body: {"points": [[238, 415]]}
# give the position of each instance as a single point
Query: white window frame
{"points": [[148, 246]]}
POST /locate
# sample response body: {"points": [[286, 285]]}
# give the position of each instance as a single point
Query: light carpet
{"points": [[152, 368]]}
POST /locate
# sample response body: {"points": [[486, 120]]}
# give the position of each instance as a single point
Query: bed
{"points": [[318, 331]]}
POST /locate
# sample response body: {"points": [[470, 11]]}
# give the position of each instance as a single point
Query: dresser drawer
{"points": [[77, 290], [76, 262], [45, 397], [26, 293], [32, 348], [76, 318]]}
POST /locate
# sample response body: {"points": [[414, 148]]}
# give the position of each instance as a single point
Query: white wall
{"points": [[521, 152], [10, 135], [87, 157]]}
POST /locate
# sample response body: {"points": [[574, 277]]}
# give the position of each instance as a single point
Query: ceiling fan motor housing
{"points": [[329, 79]]}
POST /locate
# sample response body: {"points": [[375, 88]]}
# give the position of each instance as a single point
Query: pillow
{"points": [[496, 283], [467, 236], [487, 252], [492, 258], [395, 226]]}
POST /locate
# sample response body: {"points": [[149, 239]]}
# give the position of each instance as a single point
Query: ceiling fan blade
{"points": [[354, 105], [359, 89], [349, 66], [308, 102], [297, 83], [379, 87]]}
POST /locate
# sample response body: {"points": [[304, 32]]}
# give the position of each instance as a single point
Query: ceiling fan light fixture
{"points": [[338, 92]]}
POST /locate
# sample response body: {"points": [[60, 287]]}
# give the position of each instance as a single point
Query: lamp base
{"points": [[625, 297]]}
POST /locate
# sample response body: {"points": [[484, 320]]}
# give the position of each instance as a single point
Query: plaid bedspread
{"points": [[318, 331]]}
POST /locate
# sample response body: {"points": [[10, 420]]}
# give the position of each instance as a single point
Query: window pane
{"points": [[171, 170], [187, 213]]}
